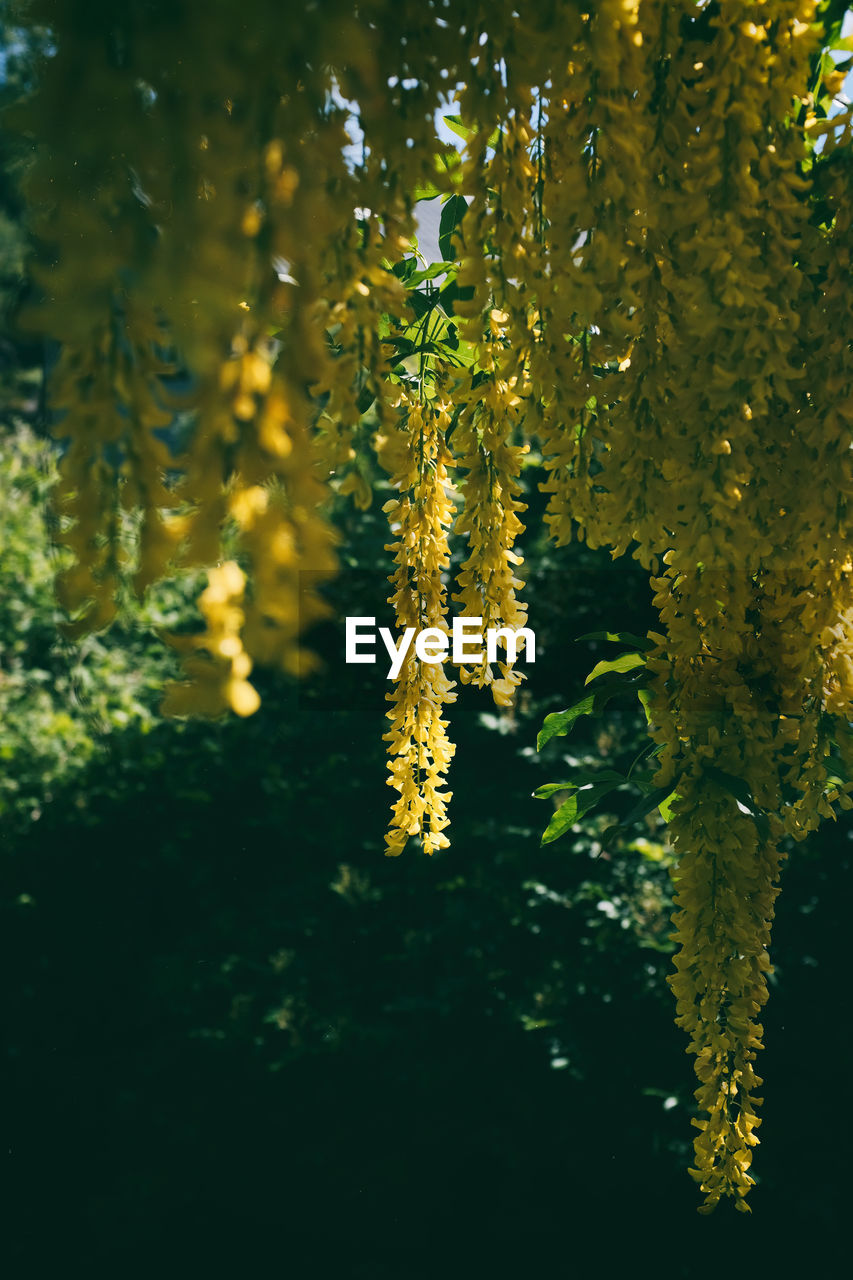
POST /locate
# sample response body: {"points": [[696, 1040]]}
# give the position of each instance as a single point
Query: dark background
{"points": [[238, 1037]]}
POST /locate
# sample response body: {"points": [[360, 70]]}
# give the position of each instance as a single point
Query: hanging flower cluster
{"points": [[652, 284], [487, 579], [416, 456]]}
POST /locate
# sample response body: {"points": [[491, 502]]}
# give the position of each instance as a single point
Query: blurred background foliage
{"points": [[240, 1041]]}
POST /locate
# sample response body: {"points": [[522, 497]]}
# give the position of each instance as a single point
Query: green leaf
{"points": [[551, 788], [558, 723], [583, 778], [624, 663], [404, 345], [429, 273], [618, 637], [405, 268], [455, 208], [666, 806], [656, 799], [650, 749], [454, 123], [660, 798], [420, 304], [575, 808], [450, 160], [464, 131], [451, 292]]}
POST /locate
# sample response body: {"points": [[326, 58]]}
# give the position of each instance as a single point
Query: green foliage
{"points": [[586, 798], [452, 214], [624, 663], [613, 677], [59, 703]]}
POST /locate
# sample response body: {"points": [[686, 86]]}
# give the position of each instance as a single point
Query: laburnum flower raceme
{"points": [[650, 282], [420, 517]]}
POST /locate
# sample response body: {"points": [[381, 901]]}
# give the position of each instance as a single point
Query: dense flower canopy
{"points": [[646, 242]]}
